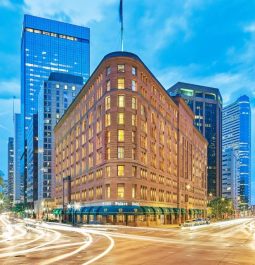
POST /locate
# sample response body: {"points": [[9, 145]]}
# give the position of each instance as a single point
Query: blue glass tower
{"points": [[236, 152], [48, 46]]}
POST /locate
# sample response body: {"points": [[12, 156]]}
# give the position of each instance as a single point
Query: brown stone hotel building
{"points": [[127, 151]]}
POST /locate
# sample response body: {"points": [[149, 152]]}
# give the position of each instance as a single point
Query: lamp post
{"points": [[75, 206]]}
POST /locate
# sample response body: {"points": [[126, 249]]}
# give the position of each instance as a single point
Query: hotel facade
{"points": [[128, 153]]}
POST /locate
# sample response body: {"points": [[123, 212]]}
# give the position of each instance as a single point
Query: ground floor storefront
{"points": [[127, 215]]}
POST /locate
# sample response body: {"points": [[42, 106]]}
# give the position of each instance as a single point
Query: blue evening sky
{"points": [[206, 42]]}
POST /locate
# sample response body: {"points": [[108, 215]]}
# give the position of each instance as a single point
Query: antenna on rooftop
{"points": [[121, 22]]}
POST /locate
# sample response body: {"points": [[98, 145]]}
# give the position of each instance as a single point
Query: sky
{"points": [[205, 42]]}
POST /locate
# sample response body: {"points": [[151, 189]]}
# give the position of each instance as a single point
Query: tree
{"points": [[221, 207]]}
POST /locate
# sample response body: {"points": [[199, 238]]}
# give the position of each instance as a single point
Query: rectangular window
{"points": [[134, 103], [133, 120], [108, 191], [121, 83], [134, 86], [133, 171], [121, 101], [107, 119], [121, 118], [108, 85], [108, 153], [133, 70], [107, 103], [121, 68], [134, 191], [108, 171], [108, 137], [108, 70], [121, 135], [121, 171], [120, 152], [120, 191]]}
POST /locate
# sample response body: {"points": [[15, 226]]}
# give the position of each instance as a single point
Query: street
{"points": [[228, 242]]}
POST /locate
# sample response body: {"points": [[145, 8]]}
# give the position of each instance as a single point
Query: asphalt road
{"points": [[229, 242]]}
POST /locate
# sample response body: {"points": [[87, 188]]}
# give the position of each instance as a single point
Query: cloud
{"points": [[9, 89], [79, 12]]}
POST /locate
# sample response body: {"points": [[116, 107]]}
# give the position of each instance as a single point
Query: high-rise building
{"points": [[127, 151], [10, 168], [236, 152], [48, 46], [32, 160], [18, 181], [206, 104], [54, 98]]}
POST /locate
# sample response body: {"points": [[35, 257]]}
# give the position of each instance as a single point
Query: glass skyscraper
{"points": [[206, 104], [54, 98], [48, 46], [236, 152]]}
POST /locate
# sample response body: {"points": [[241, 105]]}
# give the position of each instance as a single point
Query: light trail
{"points": [[69, 254]]}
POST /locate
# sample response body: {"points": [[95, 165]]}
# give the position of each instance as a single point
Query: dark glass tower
{"points": [[48, 46], [206, 103], [236, 153], [11, 168]]}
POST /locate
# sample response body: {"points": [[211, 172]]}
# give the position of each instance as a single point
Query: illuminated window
{"points": [[65, 87], [120, 191], [108, 171], [121, 171], [108, 153], [133, 120], [108, 85], [108, 137], [57, 85], [134, 86], [121, 135], [73, 88], [121, 83], [133, 171], [121, 68], [107, 119], [134, 103], [107, 103], [121, 101], [121, 118], [134, 191], [108, 191], [120, 152]]}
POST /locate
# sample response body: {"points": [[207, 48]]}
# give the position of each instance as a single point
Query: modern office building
{"points": [[32, 160], [11, 169], [206, 104], [54, 98], [48, 46], [236, 152], [127, 152], [18, 181]]}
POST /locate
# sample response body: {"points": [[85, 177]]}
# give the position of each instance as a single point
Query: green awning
{"points": [[94, 210], [176, 210], [165, 210], [183, 211], [158, 210], [115, 209], [85, 210], [148, 210], [191, 211]]}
